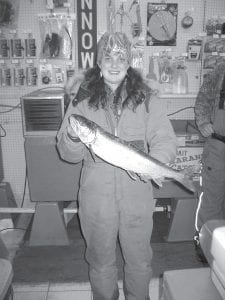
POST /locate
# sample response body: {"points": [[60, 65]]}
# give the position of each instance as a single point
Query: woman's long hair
{"points": [[136, 89]]}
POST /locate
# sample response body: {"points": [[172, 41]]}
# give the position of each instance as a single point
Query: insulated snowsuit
{"points": [[210, 108], [111, 203]]}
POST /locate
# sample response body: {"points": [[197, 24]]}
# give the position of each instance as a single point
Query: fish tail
{"points": [[186, 180]]}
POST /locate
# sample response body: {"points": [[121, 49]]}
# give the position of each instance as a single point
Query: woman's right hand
{"points": [[206, 129], [71, 133]]}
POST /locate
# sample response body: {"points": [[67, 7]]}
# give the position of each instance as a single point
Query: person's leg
{"points": [[99, 223], [212, 197], [135, 233], [211, 202]]}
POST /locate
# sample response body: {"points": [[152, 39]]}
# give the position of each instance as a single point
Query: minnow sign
{"points": [[86, 32]]}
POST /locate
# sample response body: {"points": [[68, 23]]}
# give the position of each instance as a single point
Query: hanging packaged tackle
{"points": [[56, 35], [9, 11], [4, 48]]}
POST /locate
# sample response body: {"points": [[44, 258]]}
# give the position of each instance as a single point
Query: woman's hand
{"points": [[72, 134]]}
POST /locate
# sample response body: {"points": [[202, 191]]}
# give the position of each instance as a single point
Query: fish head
{"points": [[84, 128]]}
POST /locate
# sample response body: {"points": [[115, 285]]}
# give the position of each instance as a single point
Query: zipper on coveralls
{"points": [[119, 112], [114, 130], [109, 119], [114, 127]]}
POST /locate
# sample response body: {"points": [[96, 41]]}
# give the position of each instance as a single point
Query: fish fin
{"points": [[158, 181], [132, 175], [92, 153], [147, 178], [144, 178], [186, 179]]}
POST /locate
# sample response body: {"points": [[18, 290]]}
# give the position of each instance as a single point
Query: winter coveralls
{"points": [[111, 203]]}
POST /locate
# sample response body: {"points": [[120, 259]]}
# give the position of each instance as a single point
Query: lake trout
{"points": [[120, 153]]}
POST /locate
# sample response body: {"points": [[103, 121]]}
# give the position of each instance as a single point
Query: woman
{"points": [[111, 204]]}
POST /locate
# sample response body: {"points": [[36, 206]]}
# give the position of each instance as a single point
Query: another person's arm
{"points": [[204, 105]]}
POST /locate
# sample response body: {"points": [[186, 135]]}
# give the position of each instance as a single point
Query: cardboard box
{"points": [[188, 157]]}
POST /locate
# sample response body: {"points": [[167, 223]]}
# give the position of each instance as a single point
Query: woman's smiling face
{"points": [[114, 67]]}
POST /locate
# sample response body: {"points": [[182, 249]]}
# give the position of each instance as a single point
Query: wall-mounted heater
{"points": [[42, 112]]}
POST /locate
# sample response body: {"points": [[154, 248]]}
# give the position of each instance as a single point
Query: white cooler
{"points": [[212, 240], [201, 283]]}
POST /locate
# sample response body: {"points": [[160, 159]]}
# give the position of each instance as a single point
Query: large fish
{"points": [[121, 154]]}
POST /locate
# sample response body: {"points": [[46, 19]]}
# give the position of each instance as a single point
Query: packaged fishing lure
{"points": [[56, 36], [137, 53], [9, 11], [60, 3]]}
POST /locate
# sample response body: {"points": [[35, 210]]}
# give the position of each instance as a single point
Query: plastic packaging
{"points": [[180, 81], [9, 11], [6, 77], [4, 48], [151, 72], [137, 60], [56, 35]]}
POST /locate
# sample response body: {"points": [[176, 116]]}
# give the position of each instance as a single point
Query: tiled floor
{"points": [[68, 291]]}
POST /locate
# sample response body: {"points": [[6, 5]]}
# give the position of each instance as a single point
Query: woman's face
{"points": [[114, 67]]}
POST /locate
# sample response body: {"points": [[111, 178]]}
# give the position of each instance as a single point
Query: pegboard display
{"points": [[21, 64], [129, 17], [180, 108], [24, 68], [33, 59]]}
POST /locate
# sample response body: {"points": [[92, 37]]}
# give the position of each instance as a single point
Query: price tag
{"points": [[202, 34], [69, 63], [68, 5]]}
